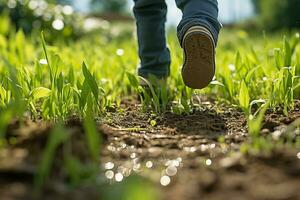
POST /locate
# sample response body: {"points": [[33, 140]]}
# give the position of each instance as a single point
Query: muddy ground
{"points": [[185, 157]]}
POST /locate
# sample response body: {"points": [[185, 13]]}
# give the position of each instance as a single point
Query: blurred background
{"points": [[73, 18]]}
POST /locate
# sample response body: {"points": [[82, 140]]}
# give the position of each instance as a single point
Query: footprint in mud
{"points": [[208, 124]]}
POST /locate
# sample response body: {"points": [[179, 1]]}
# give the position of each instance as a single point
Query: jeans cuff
{"points": [[200, 22], [159, 74]]}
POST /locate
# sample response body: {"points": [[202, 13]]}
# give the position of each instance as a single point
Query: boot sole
{"points": [[199, 66]]}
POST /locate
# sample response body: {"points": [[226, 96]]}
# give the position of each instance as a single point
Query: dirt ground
{"points": [[186, 157]]}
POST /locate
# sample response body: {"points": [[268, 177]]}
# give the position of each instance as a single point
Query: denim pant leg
{"points": [[153, 52], [199, 12]]}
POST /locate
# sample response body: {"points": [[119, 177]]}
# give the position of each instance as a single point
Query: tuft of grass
{"points": [[92, 137], [57, 137]]}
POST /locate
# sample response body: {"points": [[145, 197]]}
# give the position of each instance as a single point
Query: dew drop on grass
{"points": [[33, 5], [136, 167], [133, 155], [123, 145], [111, 148], [193, 149], [43, 61], [176, 163], [119, 177], [58, 24], [179, 159], [109, 165], [171, 171], [11, 4], [68, 10], [109, 174], [149, 164], [231, 67], [208, 162], [265, 78], [165, 180], [203, 147], [120, 52]]}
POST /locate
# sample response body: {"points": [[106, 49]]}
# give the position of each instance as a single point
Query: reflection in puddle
{"points": [[165, 180], [133, 155], [149, 164], [109, 174], [109, 165], [164, 169], [153, 164], [208, 162], [119, 177], [171, 171]]}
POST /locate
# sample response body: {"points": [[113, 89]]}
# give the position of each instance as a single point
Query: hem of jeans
{"points": [[158, 75], [209, 27]]}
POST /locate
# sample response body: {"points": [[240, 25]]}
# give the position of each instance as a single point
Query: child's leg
{"points": [[155, 56], [199, 13], [198, 35]]}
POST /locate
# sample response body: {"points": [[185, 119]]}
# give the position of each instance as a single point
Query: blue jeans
{"points": [[150, 19]]}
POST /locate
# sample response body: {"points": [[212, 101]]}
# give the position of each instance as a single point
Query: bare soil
{"points": [[196, 156]]}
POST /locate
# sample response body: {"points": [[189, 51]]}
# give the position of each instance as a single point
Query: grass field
{"points": [[68, 107]]}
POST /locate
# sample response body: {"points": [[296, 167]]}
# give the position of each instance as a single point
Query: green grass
{"points": [[56, 81]]}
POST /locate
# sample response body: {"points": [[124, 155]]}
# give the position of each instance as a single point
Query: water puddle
{"points": [[160, 165]]}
